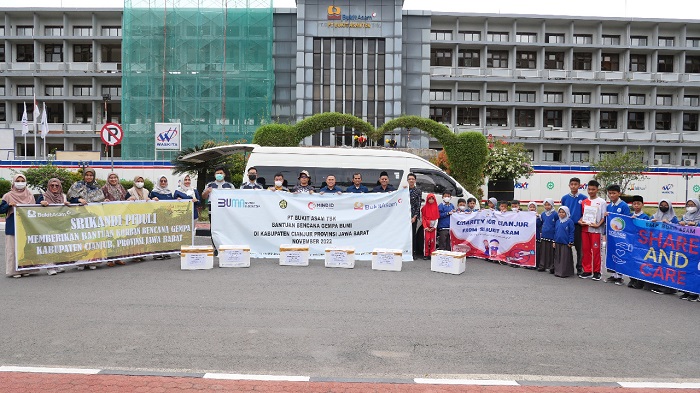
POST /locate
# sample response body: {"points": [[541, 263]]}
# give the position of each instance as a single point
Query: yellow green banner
{"points": [[74, 235]]}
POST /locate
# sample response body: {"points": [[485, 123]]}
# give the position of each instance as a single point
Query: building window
{"points": [[82, 31], [470, 36], [525, 96], [524, 117], [441, 114], [53, 53], [609, 98], [553, 97], [497, 96], [25, 90], [497, 59], [2, 90], [111, 53], [583, 39], [114, 91], [112, 31], [56, 31], [691, 100], [692, 64], [663, 121], [82, 53], [608, 120], [54, 91], [526, 37], [665, 158], [551, 155], [635, 120], [468, 116], [2, 30], [468, 58], [25, 53], [554, 60], [468, 95], [690, 121], [665, 63], [637, 99], [692, 157], [82, 90], [664, 100], [441, 35], [580, 156], [2, 53], [25, 31], [665, 41], [638, 63], [580, 119], [553, 118], [610, 62], [581, 98], [583, 61], [496, 117], [611, 39], [526, 60], [554, 38], [692, 42], [497, 36], [82, 113], [441, 57], [638, 40], [440, 95], [3, 112]]}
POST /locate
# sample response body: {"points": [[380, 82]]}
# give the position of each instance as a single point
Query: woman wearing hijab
{"points": [[563, 241], [491, 204], [429, 216], [87, 190], [137, 192], [545, 254], [160, 191], [54, 196], [18, 195], [665, 213], [691, 218], [113, 190], [185, 191]]}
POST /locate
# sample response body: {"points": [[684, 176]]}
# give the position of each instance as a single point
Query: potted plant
{"points": [[360, 140], [505, 162]]}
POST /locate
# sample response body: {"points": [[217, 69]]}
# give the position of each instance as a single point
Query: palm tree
{"points": [[203, 170]]}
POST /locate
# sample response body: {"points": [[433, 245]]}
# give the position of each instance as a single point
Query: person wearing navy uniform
{"points": [[573, 201], [618, 206], [384, 185], [357, 187]]}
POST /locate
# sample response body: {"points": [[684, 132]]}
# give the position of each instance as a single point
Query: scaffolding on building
{"points": [[206, 64]]}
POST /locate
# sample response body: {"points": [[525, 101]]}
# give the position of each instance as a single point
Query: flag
{"points": [[25, 124], [36, 110], [44, 123]]}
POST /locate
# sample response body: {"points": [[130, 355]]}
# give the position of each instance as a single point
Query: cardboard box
{"points": [[448, 262], [234, 256], [293, 255], [340, 257], [387, 259], [196, 257]]}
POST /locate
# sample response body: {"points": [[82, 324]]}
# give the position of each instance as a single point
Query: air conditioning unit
{"points": [[658, 161], [688, 162]]}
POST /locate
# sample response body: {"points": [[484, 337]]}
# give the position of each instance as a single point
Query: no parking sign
{"points": [[111, 134]]}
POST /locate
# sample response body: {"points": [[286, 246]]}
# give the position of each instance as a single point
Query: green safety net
{"points": [[202, 63]]}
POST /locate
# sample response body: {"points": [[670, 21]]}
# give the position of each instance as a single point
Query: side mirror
{"points": [[459, 192]]}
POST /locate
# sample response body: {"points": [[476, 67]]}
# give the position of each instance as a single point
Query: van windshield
{"points": [[343, 176]]}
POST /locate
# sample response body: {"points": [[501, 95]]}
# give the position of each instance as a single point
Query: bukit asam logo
{"points": [[336, 13]]}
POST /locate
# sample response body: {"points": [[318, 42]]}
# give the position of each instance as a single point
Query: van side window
{"points": [[343, 176], [434, 182]]}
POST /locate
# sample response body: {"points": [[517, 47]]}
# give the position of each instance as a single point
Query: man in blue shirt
{"points": [[618, 206], [357, 186], [252, 183], [384, 185], [330, 186], [218, 183], [573, 201], [446, 208]]}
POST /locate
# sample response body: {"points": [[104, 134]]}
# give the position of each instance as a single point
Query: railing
{"points": [[562, 74]]}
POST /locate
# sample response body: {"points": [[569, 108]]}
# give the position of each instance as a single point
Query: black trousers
{"points": [[417, 236], [443, 239], [577, 246]]}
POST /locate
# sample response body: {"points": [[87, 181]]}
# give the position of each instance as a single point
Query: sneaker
{"points": [[619, 281], [657, 291], [157, 257], [596, 277], [17, 276], [551, 271], [585, 275], [26, 275], [541, 269], [693, 298], [685, 296], [51, 272], [611, 279], [92, 267], [579, 271], [60, 270], [630, 284], [81, 268]]}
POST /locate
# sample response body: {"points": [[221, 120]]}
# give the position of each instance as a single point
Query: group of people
{"points": [[83, 192]]}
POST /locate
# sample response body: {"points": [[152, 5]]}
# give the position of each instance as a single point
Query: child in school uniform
{"points": [[664, 213], [591, 233], [471, 205], [545, 253], [618, 206], [563, 241], [691, 218], [503, 206], [637, 212], [491, 204]]}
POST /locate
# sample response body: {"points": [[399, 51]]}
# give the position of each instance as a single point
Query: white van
{"points": [[342, 162]]}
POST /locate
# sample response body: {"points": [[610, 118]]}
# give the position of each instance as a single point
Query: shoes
{"points": [[426, 258], [585, 275], [167, 256], [157, 257], [630, 284], [541, 269], [92, 267], [110, 264], [657, 291], [60, 270], [20, 276], [685, 296], [51, 272], [619, 281], [579, 271], [611, 279], [81, 268], [120, 263], [551, 271], [693, 298], [26, 274], [596, 277]]}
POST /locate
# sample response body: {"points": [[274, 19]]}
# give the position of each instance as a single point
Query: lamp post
{"points": [[687, 176]]}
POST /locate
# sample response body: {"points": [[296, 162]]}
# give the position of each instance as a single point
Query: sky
{"points": [[676, 9]]}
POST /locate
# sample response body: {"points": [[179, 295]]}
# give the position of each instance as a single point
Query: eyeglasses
{"points": [[55, 185]]}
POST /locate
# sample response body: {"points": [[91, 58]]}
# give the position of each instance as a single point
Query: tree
{"points": [[621, 169]]}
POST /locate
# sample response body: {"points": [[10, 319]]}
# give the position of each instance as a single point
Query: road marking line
{"points": [[250, 377], [661, 385], [481, 382], [49, 370]]}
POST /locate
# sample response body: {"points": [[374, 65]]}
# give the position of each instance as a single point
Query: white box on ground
{"points": [[293, 255], [234, 256], [448, 262], [387, 259], [197, 257], [340, 257]]}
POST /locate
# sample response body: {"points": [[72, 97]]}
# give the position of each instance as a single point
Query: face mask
{"points": [[278, 183], [689, 209], [663, 209], [138, 184], [219, 177], [446, 199], [20, 185], [252, 177], [515, 209], [462, 208]]}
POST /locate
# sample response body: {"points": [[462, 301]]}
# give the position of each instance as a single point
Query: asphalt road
{"points": [[269, 319]]}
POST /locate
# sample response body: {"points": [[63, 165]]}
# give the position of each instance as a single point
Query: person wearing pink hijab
{"points": [[18, 195], [54, 196]]}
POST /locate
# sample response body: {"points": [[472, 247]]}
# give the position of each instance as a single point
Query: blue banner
{"points": [[655, 252]]}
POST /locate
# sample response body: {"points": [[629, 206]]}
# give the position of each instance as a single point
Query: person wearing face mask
{"points": [[515, 205], [690, 218], [218, 183], [185, 191], [279, 183], [138, 192], [18, 195], [252, 182], [664, 213], [446, 208], [87, 190], [160, 191]]}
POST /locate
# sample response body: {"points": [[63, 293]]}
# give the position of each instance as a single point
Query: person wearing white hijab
{"points": [[185, 191], [563, 241], [160, 191], [19, 194], [691, 218], [665, 213]]}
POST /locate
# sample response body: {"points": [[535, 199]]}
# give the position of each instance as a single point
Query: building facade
{"points": [[573, 89]]}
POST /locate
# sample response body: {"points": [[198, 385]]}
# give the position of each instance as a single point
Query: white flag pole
{"points": [[35, 114], [25, 129]]}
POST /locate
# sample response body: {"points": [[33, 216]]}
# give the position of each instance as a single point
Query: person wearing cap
{"points": [[304, 186], [357, 187], [384, 185], [252, 182], [330, 186]]}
